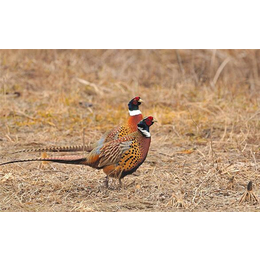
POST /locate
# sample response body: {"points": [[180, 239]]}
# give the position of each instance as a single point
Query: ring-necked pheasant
{"points": [[117, 158], [135, 115]]}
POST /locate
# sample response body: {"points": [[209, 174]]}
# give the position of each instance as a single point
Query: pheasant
{"points": [[117, 158], [117, 132]]}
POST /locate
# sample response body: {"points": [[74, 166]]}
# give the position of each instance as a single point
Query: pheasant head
{"points": [[133, 106], [144, 125]]}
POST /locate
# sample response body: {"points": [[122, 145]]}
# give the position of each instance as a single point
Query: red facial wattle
{"points": [[149, 120], [136, 100]]}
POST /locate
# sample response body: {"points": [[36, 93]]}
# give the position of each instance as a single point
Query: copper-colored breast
{"points": [[133, 121]]}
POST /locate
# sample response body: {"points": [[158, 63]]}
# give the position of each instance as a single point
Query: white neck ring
{"points": [[135, 112], [144, 132]]}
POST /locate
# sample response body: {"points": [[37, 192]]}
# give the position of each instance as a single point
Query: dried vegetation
{"points": [[205, 146]]}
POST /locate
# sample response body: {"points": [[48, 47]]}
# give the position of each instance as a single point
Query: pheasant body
{"points": [[117, 158], [121, 157]]}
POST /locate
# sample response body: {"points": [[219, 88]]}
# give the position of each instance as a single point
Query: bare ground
{"points": [[204, 147]]}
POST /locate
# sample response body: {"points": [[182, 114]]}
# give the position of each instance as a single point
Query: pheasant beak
{"points": [[154, 121], [140, 100]]}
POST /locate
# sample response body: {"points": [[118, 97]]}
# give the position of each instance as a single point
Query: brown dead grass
{"points": [[204, 147]]}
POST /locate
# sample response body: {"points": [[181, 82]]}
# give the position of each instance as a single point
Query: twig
{"points": [[83, 139], [249, 195], [221, 67], [180, 62]]}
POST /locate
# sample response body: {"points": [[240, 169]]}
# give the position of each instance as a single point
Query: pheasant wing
{"points": [[112, 152]]}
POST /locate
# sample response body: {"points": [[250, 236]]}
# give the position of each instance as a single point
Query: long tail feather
{"points": [[61, 159], [75, 148]]}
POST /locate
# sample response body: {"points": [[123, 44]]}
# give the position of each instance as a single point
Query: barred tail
{"points": [[74, 148], [61, 159]]}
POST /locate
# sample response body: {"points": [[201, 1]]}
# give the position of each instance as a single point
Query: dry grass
{"points": [[204, 147]]}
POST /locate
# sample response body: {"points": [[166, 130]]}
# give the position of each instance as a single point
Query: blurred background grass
{"points": [[69, 89]]}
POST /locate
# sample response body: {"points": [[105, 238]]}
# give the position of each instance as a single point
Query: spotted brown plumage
{"points": [[117, 158], [135, 116]]}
